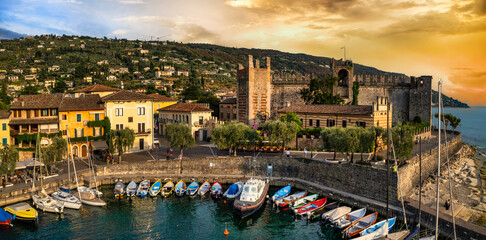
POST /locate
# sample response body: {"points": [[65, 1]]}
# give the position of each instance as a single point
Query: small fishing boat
{"points": [[216, 190], [349, 218], [155, 188], [359, 225], [22, 211], [90, 197], [303, 201], [69, 200], [46, 203], [192, 188], [317, 213], [311, 207], [377, 230], [234, 190], [167, 189], [252, 198], [143, 188], [204, 188], [180, 188], [119, 189], [335, 214], [5, 218], [284, 202], [283, 192], [132, 189]]}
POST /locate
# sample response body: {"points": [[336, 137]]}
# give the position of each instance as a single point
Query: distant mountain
{"points": [[7, 34], [448, 101]]}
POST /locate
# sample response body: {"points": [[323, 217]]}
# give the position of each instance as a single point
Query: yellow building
{"points": [[74, 115], [4, 128], [127, 109], [96, 89], [161, 101]]}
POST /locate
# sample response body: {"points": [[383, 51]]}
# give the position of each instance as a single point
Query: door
{"points": [[84, 151], [141, 143]]}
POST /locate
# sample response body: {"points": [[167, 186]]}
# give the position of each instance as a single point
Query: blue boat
{"points": [[155, 188], [180, 188], [234, 190], [377, 230], [143, 188], [192, 188], [283, 192], [5, 217]]}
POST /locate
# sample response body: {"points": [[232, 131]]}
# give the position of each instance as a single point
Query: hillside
{"points": [[448, 101]]}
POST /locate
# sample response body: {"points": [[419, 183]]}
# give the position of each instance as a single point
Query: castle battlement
{"points": [[282, 78], [382, 80]]}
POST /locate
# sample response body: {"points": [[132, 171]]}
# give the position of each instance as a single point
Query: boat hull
{"points": [[245, 210]]}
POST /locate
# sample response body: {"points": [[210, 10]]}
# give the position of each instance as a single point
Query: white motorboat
{"points": [[131, 189], [69, 200], [46, 203], [143, 188], [252, 197], [335, 214], [90, 197]]}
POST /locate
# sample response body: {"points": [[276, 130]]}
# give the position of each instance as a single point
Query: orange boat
{"points": [[359, 225]]}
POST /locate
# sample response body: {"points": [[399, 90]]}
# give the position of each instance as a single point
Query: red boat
{"points": [[284, 203], [216, 190], [311, 207]]}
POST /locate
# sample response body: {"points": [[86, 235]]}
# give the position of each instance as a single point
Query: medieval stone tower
{"points": [[344, 70], [254, 92]]}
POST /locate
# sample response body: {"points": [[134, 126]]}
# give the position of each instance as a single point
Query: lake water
{"points": [[172, 218]]}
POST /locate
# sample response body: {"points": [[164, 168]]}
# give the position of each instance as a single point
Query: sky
{"points": [[442, 38]]}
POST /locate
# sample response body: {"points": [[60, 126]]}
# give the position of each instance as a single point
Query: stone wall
{"points": [[284, 95], [23, 155], [399, 97]]}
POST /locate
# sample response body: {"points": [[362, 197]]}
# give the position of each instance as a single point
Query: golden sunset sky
{"points": [[442, 38]]}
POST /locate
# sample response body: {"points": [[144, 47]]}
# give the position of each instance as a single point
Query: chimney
{"points": [[22, 103]]}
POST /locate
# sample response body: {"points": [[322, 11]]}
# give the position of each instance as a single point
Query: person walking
{"points": [[288, 153], [168, 152], [171, 152], [305, 153]]}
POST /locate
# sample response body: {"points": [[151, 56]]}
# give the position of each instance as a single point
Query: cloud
{"points": [[132, 2], [120, 31]]}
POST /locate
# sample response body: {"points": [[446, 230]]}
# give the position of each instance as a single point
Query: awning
{"points": [[28, 163], [99, 145]]}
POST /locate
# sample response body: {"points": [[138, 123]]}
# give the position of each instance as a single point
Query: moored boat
{"points": [[335, 214], [216, 190], [359, 225], [46, 203], [317, 213], [311, 207], [349, 218], [303, 201], [143, 188], [155, 188], [252, 198], [284, 202], [192, 188], [180, 188], [5, 218], [119, 189], [69, 200], [131, 189], [281, 193], [377, 230], [22, 211], [90, 196], [204, 188], [167, 189], [234, 190]]}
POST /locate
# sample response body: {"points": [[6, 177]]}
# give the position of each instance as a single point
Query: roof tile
{"points": [[185, 107], [126, 95]]}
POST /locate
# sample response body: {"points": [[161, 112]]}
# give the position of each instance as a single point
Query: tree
{"points": [[30, 90], [60, 86], [280, 132], [180, 136], [455, 121], [192, 92], [402, 136], [377, 133], [320, 91], [3, 94], [366, 141], [252, 137], [55, 151], [355, 93], [335, 139], [230, 135], [9, 157], [120, 140], [351, 141], [151, 89], [291, 117]]}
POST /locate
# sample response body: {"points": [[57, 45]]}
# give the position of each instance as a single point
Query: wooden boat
{"points": [[90, 197], [303, 201], [155, 188], [349, 218], [284, 202], [192, 188], [47, 203], [311, 207], [5, 218], [143, 188], [335, 214], [132, 189], [22, 211], [359, 225], [167, 189], [234, 190], [377, 230], [69, 200], [281, 193], [252, 198], [216, 190], [317, 213], [180, 188], [204, 188], [119, 189]]}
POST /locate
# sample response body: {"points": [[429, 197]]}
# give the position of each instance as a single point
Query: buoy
{"points": [[224, 201], [226, 232]]}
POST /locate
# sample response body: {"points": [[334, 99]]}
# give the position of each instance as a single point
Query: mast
{"points": [[74, 165], [387, 151], [438, 168], [420, 182], [67, 158], [91, 165]]}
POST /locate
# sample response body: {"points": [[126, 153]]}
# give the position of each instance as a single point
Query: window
{"points": [[318, 123], [97, 116], [310, 122], [201, 120], [234, 116], [141, 111], [4, 141], [119, 126], [118, 112], [36, 113], [141, 127], [345, 123], [64, 132], [45, 112], [302, 121], [228, 116], [75, 132], [361, 124], [82, 132], [130, 119], [94, 132], [331, 122], [53, 112], [64, 117], [28, 113], [78, 117], [4, 126]]}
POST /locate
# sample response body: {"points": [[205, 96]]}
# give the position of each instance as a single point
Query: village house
{"points": [[161, 101], [13, 78], [111, 78], [165, 73], [88, 79], [30, 77], [4, 128], [227, 110], [196, 116], [184, 73], [101, 90], [53, 68]]}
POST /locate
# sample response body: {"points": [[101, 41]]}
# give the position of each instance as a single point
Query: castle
{"points": [[262, 93]]}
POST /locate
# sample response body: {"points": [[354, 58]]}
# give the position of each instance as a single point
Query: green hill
{"points": [[448, 101]]}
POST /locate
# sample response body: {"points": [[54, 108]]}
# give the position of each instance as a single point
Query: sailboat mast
{"points": [[67, 157], [74, 166], [387, 151], [438, 167], [420, 181]]}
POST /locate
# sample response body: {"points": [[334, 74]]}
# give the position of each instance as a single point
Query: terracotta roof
{"points": [[229, 101], [97, 88], [4, 114], [126, 95], [87, 102], [34, 121], [161, 98], [185, 107], [40, 101], [330, 109]]}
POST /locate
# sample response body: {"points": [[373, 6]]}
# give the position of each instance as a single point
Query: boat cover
{"points": [[4, 216], [233, 189]]}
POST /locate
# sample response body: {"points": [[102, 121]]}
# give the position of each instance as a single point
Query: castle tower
{"points": [[344, 70], [420, 98], [254, 92]]}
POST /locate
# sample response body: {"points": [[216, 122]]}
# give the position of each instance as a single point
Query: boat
{"points": [[119, 189], [359, 225], [377, 230], [180, 188], [317, 213], [69, 200], [143, 188], [303, 201], [349, 218], [204, 188], [132, 189], [283, 192], [234, 190], [252, 197], [155, 188], [47, 203], [5, 218], [90, 196], [167, 189], [311, 207], [284, 202], [192, 188], [335, 214], [216, 190], [22, 211]]}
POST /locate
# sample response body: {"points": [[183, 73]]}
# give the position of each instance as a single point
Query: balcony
{"points": [[143, 133]]}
